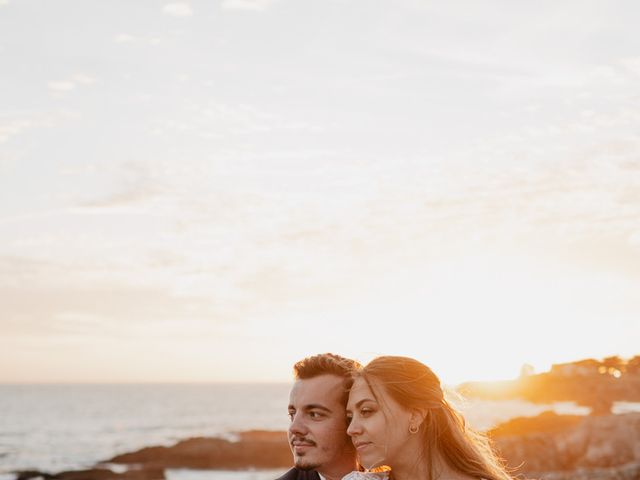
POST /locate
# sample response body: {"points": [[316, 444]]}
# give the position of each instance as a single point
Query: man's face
{"points": [[317, 434]]}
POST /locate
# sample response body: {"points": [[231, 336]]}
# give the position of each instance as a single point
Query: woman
{"points": [[399, 418]]}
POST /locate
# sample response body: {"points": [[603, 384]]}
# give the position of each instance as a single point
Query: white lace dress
{"points": [[366, 476]]}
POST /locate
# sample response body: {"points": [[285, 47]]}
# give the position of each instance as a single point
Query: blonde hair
{"points": [[446, 435]]}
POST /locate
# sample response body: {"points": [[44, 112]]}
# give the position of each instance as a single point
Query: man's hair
{"points": [[325, 363], [328, 364]]}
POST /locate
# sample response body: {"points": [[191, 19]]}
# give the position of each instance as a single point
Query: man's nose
{"points": [[297, 425]]}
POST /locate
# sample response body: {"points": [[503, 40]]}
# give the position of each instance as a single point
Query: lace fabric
{"points": [[366, 476]]}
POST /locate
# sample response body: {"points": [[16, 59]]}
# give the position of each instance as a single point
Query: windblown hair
{"points": [[446, 436], [327, 363]]}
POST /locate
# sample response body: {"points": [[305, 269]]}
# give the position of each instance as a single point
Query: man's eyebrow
{"points": [[316, 406]]}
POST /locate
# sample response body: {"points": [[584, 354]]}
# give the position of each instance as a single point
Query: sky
{"points": [[199, 191]]}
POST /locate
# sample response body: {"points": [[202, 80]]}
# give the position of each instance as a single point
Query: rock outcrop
{"points": [[253, 449], [554, 443], [596, 390], [95, 474], [630, 471]]}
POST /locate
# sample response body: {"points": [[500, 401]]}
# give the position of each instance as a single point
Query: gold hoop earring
{"points": [[413, 429]]}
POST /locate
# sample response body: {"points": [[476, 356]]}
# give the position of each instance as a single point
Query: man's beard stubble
{"points": [[306, 466]]}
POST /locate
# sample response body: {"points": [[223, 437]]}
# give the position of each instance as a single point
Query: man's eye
{"points": [[291, 415], [315, 415]]}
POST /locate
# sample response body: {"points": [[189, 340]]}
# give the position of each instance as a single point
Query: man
{"points": [[318, 438]]}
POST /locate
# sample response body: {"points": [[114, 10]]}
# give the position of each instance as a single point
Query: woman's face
{"points": [[379, 426]]}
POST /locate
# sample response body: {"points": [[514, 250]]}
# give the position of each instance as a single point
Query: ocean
{"points": [[61, 427]]}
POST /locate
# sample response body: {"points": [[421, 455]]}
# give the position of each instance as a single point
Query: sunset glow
{"points": [[210, 191]]}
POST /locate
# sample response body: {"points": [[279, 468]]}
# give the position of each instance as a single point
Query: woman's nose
{"points": [[353, 428]]}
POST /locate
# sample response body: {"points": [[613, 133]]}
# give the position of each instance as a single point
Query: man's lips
{"points": [[302, 445]]}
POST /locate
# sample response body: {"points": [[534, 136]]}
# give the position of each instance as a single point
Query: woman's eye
{"points": [[365, 412]]}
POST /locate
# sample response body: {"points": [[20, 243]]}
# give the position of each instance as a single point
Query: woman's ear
{"points": [[417, 417]]}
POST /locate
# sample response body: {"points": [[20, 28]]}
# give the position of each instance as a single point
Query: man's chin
{"points": [[303, 464]]}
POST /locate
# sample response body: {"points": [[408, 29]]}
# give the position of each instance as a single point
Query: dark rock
{"points": [[545, 422], [630, 471], [28, 474], [105, 474], [254, 449], [95, 474], [594, 442]]}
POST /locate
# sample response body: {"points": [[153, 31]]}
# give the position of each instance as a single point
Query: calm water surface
{"points": [[61, 427]]}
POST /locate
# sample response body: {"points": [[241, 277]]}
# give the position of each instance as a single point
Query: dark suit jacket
{"points": [[297, 474]]}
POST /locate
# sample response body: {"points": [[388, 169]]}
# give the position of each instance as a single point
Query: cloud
{"points": [[214, 119], [69, 84], [100, 309], [124, 38], [19, 123], [74, 299], [632, 64], [135, 180], [11, 128], [83, 79], [16, 269], [178, 9], [123, 198], [61, 86], [607, 74], [255, 5]]}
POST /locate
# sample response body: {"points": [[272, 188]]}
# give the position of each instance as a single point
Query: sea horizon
{"points": [[56, 427]]}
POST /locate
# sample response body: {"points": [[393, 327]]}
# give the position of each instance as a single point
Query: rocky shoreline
{"points": [[567, 447], [548, 447]]}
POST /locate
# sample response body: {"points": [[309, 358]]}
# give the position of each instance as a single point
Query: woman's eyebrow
{"points": [[362, 401]]}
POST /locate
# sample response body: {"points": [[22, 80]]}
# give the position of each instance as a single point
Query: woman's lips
{"points": [[362, 446]]}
